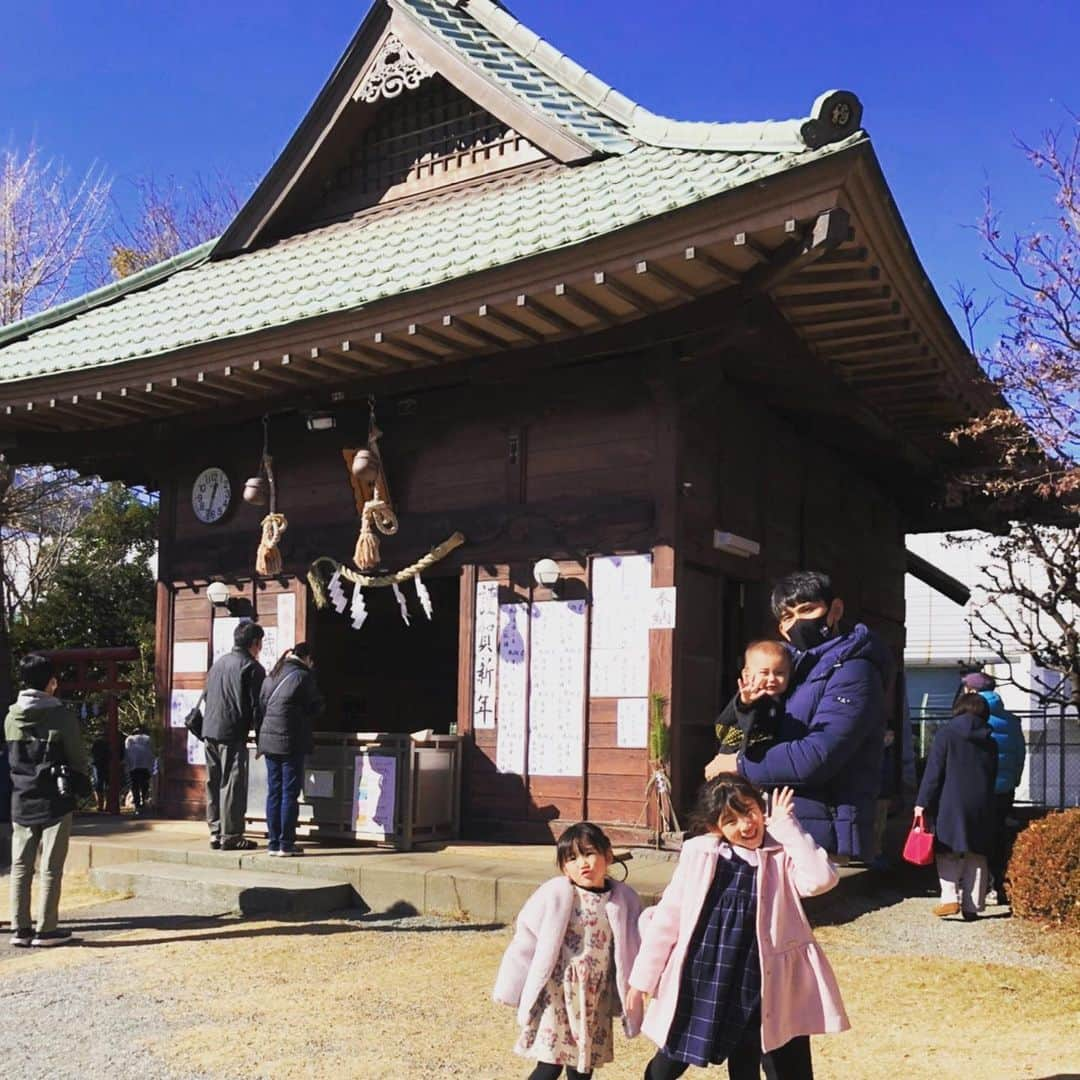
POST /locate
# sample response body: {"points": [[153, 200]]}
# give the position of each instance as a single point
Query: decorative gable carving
{"points": [[393, 70], [419, 139]]}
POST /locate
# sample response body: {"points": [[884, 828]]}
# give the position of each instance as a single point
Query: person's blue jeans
{"points": [[284, 777]]}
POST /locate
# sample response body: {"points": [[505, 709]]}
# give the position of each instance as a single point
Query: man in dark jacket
{"points": [[831, 736], [231, 711], [48, 767]]}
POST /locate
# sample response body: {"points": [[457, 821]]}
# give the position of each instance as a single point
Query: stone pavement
{"points": [[479, 881]]}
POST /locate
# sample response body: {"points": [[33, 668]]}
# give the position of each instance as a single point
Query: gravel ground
{"points": [[127, 1002], [47, 997], [891, 915]]}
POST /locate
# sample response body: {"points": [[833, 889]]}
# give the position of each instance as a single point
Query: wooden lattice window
{"points": [[427, 137]]}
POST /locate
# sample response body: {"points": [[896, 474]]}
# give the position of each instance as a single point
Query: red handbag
{"points": [[919, 845]]}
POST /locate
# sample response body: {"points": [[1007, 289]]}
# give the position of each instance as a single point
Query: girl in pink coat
{"points": [[727, 955], [567, 969]]}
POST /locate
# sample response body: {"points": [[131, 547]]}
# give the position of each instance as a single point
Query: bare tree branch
{"points": [[49, 230], [172, 217]]}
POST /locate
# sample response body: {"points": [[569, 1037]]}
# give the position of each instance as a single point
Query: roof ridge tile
{"points": [[641, 124]]}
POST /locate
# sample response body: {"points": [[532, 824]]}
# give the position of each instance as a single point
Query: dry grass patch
{"points": [[338, 999], [77, 892], [335, 1000], [917, 1017]]}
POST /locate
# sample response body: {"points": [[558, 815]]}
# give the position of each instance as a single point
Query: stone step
{"points": [[207, 890]]}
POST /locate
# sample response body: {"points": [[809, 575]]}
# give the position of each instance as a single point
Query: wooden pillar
{"points": [[163, 637], [663, 644]]}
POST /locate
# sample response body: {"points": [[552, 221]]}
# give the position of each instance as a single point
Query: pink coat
{"points": [[541, 926], [799, 995]]}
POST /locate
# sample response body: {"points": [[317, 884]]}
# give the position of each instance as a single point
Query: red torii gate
{"points": [[110, 684]]}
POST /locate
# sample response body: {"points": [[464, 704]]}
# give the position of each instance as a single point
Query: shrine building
{"points": [[587, 377]]}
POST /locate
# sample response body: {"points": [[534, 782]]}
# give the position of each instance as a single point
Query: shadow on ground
{"points": [[218, 928], [870, 890]]}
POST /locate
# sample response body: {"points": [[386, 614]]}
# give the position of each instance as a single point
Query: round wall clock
{"points": [[211, 494]]}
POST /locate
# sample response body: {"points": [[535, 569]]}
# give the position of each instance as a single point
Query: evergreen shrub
{"points": [[1043, 875]]}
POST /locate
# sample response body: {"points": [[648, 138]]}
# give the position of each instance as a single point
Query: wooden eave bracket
{"points": [[830, 229]]}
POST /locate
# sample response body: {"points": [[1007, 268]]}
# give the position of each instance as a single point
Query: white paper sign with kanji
{"points": [[662, 608], [557, 688], [189, 657], [512, 694], [181, 702], [619, 648], [485, 654], [196, 752], [224, 626], [286, 620], [632, 723]]}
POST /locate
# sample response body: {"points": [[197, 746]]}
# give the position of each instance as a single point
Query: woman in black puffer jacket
{"points": [[291, 703]]}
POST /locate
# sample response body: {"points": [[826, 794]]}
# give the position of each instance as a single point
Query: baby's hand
{"points": [[751, 688], [783, 804]]}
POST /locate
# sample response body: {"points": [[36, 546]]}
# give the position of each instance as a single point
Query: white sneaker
{"points": [[273, 852]]}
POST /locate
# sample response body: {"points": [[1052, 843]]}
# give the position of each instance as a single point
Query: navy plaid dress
{"points": [[720, 988]]}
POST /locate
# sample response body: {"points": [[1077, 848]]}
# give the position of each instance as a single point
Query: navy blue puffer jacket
{"points": [[832, 737]]}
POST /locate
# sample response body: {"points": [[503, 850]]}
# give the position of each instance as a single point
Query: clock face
{"points": [[211, 494]]}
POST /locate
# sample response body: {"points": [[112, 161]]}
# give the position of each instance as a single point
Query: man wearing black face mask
{"points": [[831, 736]]}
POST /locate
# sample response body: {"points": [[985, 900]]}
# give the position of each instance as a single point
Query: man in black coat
{"points": [[231, 711], [49, 769]]}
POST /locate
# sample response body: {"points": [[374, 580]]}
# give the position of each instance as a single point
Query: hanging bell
{"points": [[365, 465], [256, 490]]}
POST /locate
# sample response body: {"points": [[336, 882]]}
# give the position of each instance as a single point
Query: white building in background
{"points": [[941, 646]]}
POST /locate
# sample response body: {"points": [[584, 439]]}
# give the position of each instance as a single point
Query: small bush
{"points": [[1044, 872]]}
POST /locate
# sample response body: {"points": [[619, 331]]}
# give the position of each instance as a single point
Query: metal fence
{"points": [[1052, 771]]}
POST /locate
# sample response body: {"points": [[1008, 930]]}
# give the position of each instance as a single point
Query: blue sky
{"points": [[174, 87]]}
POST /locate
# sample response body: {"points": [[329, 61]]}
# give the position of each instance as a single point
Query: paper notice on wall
{"points": [[189, 657], [223, 635], [557, 688], [374, 783], [181, 702], [271, 647], [196, 752], [662, 608], [511, 700], [286, 620], [632, 723], [619, 648], [484, 653]]}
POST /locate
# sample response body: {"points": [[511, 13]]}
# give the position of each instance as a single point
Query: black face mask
{"points": [[804, 634]]}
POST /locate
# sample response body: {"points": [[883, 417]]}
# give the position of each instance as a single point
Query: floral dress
{"points": [[570, 1023]]}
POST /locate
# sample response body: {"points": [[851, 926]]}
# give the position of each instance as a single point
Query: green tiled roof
{"points": [[483, 51], [558, 76], [390, 251], [642, 165]]}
